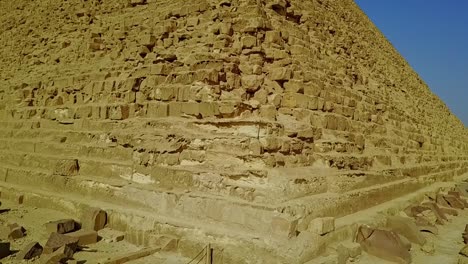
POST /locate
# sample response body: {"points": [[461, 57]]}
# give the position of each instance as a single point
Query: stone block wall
{"points": [[253, 116]]}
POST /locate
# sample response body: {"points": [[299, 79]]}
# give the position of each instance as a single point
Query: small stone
{"points": [[30, 251], [322, 226], [428, 247], [16, 233]]}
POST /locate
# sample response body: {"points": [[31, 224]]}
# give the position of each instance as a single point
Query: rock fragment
{"points": [[383, 244], [57, 241], [16, 233], [406, 227], [32, 250]]}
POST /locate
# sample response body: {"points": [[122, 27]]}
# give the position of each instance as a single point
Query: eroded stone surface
{"points": [[247, 116]]}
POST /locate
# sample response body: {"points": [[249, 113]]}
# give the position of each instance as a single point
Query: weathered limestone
{"points": [[61, 226], [31, 250], [221, 117]]}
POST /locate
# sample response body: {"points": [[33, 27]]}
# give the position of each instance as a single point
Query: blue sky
{"points": [[432, 35]]}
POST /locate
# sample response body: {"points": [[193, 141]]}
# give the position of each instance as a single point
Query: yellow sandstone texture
{"points": [[232, 121]]}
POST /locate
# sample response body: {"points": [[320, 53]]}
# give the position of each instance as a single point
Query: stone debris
{"points": [[406, 227], [60, 255], [440, 216], [440, 200], [16, 233], [448, 211], [61, 226], [383, 244], [32, 250], [57, 241], [454, 202]]}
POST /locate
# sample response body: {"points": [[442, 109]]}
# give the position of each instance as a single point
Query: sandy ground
{"points": [[33, 220]]}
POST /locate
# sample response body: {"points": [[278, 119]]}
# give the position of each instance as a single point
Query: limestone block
{"points": [[56, 241], [440, 200], [273, 37], [191, 108], [312, 89], [383, 244], [322, 226], [67, 167], [31, 250], [119, 112], [233, 80], [208, 109], [275, 54], [85, 237], [406, 227], [227, 108], [294, 86], [16, 233], [175, 109], [268, 112], [454, 201], [168, 93], [284, 226], [295, 100], [275, 99], [280, 74], [160, 69], [248, 42], [146, 39], [252, 82], [61, 226]]}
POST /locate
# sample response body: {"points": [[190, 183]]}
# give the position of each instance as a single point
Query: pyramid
{"points": [[234, 122]]}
